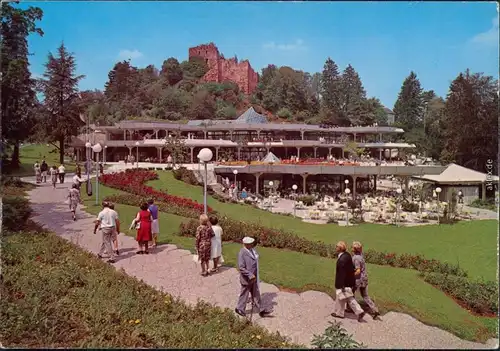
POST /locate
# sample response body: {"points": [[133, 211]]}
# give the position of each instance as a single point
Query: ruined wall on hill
{"points": [[221, 69]]}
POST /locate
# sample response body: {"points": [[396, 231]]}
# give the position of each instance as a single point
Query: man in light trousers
{"points": [[248, 265], [108, 220]]}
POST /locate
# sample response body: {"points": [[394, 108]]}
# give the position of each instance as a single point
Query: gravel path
{"points": [[297, 316]]}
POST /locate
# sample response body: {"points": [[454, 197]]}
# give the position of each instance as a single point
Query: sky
{"points": [[383, 41]]}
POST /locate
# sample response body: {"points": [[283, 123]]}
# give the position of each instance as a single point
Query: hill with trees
{"points": [[461, 127]]}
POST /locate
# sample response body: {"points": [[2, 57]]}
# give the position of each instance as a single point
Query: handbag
{"points": [[344, 295]]}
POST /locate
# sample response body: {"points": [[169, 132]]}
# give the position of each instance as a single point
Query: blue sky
{"points": [[383, 41]]}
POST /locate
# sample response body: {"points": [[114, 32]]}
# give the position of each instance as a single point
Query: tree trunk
{"points": [[15, 156], [61, 149]]}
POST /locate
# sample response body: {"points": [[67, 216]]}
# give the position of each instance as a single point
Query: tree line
{"points": [[461, 127]]}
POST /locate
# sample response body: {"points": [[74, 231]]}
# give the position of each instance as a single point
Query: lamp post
{"points": [[88, 145], [104, 155], [438, 191], [346, 183], [235, 172], [294, 188], [347, 191], [399, 191], [205, 155], [97, 148], [137, 153], [271, 183]]}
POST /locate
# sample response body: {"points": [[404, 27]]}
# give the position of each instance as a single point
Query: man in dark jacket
{"points": [[344, 283], [44, 169]]}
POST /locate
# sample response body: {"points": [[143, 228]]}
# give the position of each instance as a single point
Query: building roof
{"points": [[455, 174], [206, 122], [250, 116], [271, 158], [388, 111]]}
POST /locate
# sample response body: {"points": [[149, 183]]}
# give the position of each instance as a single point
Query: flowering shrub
{"points": [[477, 296], [268, 237], [133, 181]]}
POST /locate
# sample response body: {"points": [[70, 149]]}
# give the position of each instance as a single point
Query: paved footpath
{"points": [[297, 316]]}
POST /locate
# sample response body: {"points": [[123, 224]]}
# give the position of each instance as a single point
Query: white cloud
{"points": [[490, 37], [295, 46], [130, 54]]}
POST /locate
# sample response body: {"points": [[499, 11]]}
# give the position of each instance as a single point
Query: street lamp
{"points": [[235, 172], [88, 145], [347, 191], [294, 187], [137, 153], [438, 191], [399, 191], [97, 148], [104, 155], [205, 155]]}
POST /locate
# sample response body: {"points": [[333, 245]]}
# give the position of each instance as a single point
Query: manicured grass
{"points": [[31, 153], [461, 243], [392, 288], [55, 295]]}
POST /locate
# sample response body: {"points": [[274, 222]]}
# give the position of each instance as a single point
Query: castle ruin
{"points": [[221, 69]]}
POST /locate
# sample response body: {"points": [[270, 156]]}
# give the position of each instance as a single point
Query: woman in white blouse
{"points": [[216, 246]]}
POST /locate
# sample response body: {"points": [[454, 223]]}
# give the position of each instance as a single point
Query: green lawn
{"points": [[31, 153], [392, 288], [463, 242]]}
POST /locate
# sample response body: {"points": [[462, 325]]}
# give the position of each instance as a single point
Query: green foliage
{"points": [[62, 101], [408, 206], [488, 204], [307, 200], [185, 175], [478, 296], [409, 106], [18, 99], [352, 148], [472, 97], [16, 212], [195, 67], [46, 278], [284, 113], [171, 70], [335, 337]]}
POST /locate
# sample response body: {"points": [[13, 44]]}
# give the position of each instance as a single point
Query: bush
{"points": [[16, 212], [235, 230], [409, 206], [478, 296], [335, 337], [132, 181], [186, 175], [308, 200], [488, 204], [284, 113], [59, 296]]}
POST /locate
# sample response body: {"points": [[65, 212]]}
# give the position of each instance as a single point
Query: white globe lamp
{"points": [[271, 183], [88, 145], [347, 191], [399, 191], [136, 143], [235, 172], [438, 190], [97, 148], [346, 181], [205, 155], [294, 187]]}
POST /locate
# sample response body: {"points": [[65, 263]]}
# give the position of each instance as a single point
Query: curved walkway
{"points": [[297, 316]]}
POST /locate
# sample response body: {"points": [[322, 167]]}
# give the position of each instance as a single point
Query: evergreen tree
{"points": [[18, 88], [409, 106], [471, 121], [331, 94], [353, 98], [62, 101]]}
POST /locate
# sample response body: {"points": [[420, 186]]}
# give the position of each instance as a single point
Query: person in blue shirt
{"points": [[155, 225], [244, 193]]}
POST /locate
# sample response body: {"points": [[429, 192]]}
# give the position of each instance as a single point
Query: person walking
{"points": [[38, 172], [117, 231], [344, 284], [248, 266], [44, 168], [62, 173], [77, 181], [108, 221], [155, 225], [362, 277], [204, 235], [216, 245], [53, 176], [74, 200], [143, 220]]}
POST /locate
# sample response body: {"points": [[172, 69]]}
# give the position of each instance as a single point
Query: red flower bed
{"points": [[133, 181]]}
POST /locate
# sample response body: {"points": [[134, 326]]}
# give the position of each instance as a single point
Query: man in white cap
{"points": [[248, 265]]}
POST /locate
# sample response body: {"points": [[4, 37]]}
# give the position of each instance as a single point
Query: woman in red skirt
{"points": [[143, 220]]}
